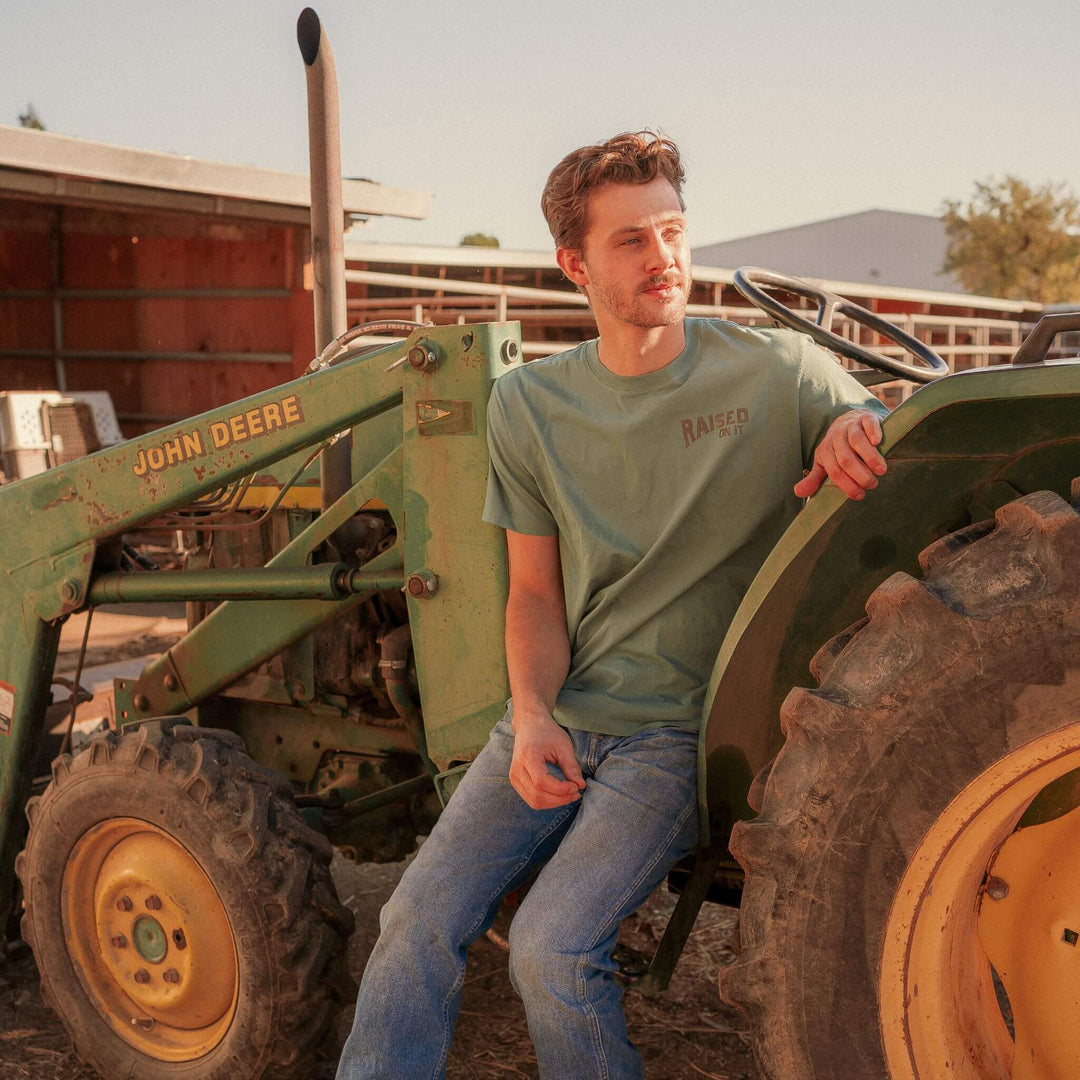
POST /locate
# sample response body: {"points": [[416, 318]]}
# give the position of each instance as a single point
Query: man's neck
{"points": [[634, 350]]}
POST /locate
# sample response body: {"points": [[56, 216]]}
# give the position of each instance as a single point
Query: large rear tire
{"points": [[181, 912], [869, 942]]}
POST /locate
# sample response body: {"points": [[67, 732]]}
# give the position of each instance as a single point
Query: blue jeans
{"points": [[601, 856]]}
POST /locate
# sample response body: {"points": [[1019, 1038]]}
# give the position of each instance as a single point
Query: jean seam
{"points": [[594, 1023], [459, 981]]}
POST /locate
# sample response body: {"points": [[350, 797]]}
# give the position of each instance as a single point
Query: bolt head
{"points": [[171, 976], [70, 590], [124, 904], [119, 941], [153, 903], [996, 888], [423, 356], [141, 702], [416, 585], [169, 681], [142, 976]]}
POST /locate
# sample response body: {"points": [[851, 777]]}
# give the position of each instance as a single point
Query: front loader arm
{"points": [[52, 526]]}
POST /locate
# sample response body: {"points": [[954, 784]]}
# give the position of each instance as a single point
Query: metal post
{"points": [[327, 223], [56, 271]]}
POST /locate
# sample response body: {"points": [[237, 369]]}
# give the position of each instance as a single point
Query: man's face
{"points": [[635, 261]]}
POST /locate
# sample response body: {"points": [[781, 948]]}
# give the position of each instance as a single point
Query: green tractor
{"points": [[907, 889]]}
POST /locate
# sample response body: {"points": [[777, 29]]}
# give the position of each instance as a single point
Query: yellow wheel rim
{"points": [[150, 940], [951, 918]]}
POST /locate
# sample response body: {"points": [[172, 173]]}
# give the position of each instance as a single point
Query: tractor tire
{"points": [[180, 910], [936, 722]]}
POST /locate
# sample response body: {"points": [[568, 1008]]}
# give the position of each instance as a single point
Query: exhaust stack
{"points": [[327, 224]]}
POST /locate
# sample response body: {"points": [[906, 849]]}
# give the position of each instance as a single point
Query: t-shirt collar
{"points": [[671, 374]]}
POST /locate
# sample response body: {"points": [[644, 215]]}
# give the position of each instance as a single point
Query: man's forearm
{"points": [[537, 651]]}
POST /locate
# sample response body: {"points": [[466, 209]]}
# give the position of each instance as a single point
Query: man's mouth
{"points": [[661, 288]]}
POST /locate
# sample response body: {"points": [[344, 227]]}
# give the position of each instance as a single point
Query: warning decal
{"points": [[7, 707]]}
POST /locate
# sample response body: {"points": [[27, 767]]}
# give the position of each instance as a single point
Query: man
{"points": [[641, 478]]}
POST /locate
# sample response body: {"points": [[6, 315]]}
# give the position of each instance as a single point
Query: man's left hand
{"points": [[847, 455]]}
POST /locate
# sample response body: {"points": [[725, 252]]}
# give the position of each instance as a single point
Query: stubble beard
{"points": [[638, 309]]}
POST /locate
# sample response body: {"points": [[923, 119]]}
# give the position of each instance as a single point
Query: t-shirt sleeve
{"points": [[826, 391], [513, 499]]}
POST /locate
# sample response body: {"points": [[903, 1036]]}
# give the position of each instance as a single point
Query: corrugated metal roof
{"points": [[886, 247], [47, 165]]}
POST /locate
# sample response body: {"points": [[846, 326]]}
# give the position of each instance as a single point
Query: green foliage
{"points": [[479, 239], [1016, 241], [30, 118]]}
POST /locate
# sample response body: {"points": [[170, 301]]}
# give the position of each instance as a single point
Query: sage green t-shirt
{"points": [[667, 491]]}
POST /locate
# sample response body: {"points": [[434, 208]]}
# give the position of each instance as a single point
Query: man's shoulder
{"points": [[536, 374], [762, 344]]}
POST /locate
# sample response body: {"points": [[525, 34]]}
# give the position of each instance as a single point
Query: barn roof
{"points": [[62, 168]]}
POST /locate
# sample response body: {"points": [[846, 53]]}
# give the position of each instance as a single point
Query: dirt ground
{"points": [[684, 1034]]}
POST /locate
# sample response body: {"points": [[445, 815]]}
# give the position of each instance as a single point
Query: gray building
{"points": [[873, 247]]}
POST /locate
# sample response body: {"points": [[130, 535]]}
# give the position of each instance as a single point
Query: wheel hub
{"points": [[1029, 926], [977, 893], [150, 939]]}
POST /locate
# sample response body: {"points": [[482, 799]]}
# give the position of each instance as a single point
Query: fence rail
{"points": [[964, 341]]}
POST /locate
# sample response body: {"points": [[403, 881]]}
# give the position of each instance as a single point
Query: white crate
{"points": [[20, 417], [108, 430]]}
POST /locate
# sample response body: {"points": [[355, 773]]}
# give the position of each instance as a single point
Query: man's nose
{"points": [[661, 255]]}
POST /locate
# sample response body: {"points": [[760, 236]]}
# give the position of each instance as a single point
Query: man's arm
{"points": [[848, 455], [538, 659]]}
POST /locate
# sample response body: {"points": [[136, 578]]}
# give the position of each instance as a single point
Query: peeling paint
{"points": [[67, 496]]}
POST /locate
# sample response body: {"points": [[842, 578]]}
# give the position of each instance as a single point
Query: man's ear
{"points": [[572, 264]]}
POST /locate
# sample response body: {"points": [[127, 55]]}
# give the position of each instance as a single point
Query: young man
{"points": [[642, 478]]}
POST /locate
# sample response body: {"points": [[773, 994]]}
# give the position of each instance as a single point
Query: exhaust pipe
{"points": [[327, 224]]}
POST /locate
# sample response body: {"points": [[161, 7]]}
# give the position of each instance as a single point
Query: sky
{"points": [[785, 112]]}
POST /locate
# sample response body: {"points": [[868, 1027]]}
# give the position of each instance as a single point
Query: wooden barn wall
{"points": [[94, 249]]}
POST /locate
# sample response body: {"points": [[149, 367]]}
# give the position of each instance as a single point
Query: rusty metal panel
{"points": [[457, 631]]}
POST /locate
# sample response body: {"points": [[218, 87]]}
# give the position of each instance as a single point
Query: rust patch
{"points": [[68, 496]]}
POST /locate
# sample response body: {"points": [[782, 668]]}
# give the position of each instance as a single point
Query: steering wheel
{"points": [[749, 281]]}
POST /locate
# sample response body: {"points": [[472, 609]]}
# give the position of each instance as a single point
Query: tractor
{"points": [[897, 834]]}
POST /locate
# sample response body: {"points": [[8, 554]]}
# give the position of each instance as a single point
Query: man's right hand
{"points": [[538, 740]]}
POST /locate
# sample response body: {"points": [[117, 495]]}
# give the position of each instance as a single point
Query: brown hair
{"points": [[634, 157]]}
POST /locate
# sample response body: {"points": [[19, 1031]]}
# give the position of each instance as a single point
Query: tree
{"points": [[30, 118], [1015, 241], [479, 239]]}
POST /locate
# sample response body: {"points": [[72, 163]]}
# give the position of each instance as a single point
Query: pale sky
{"points": [[785, 112]]}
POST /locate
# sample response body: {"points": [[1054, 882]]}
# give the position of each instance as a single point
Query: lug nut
{"points": [[179, 940], [153, 903], [124, 904], [142, 976], [119, 942], [171, 976]]}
